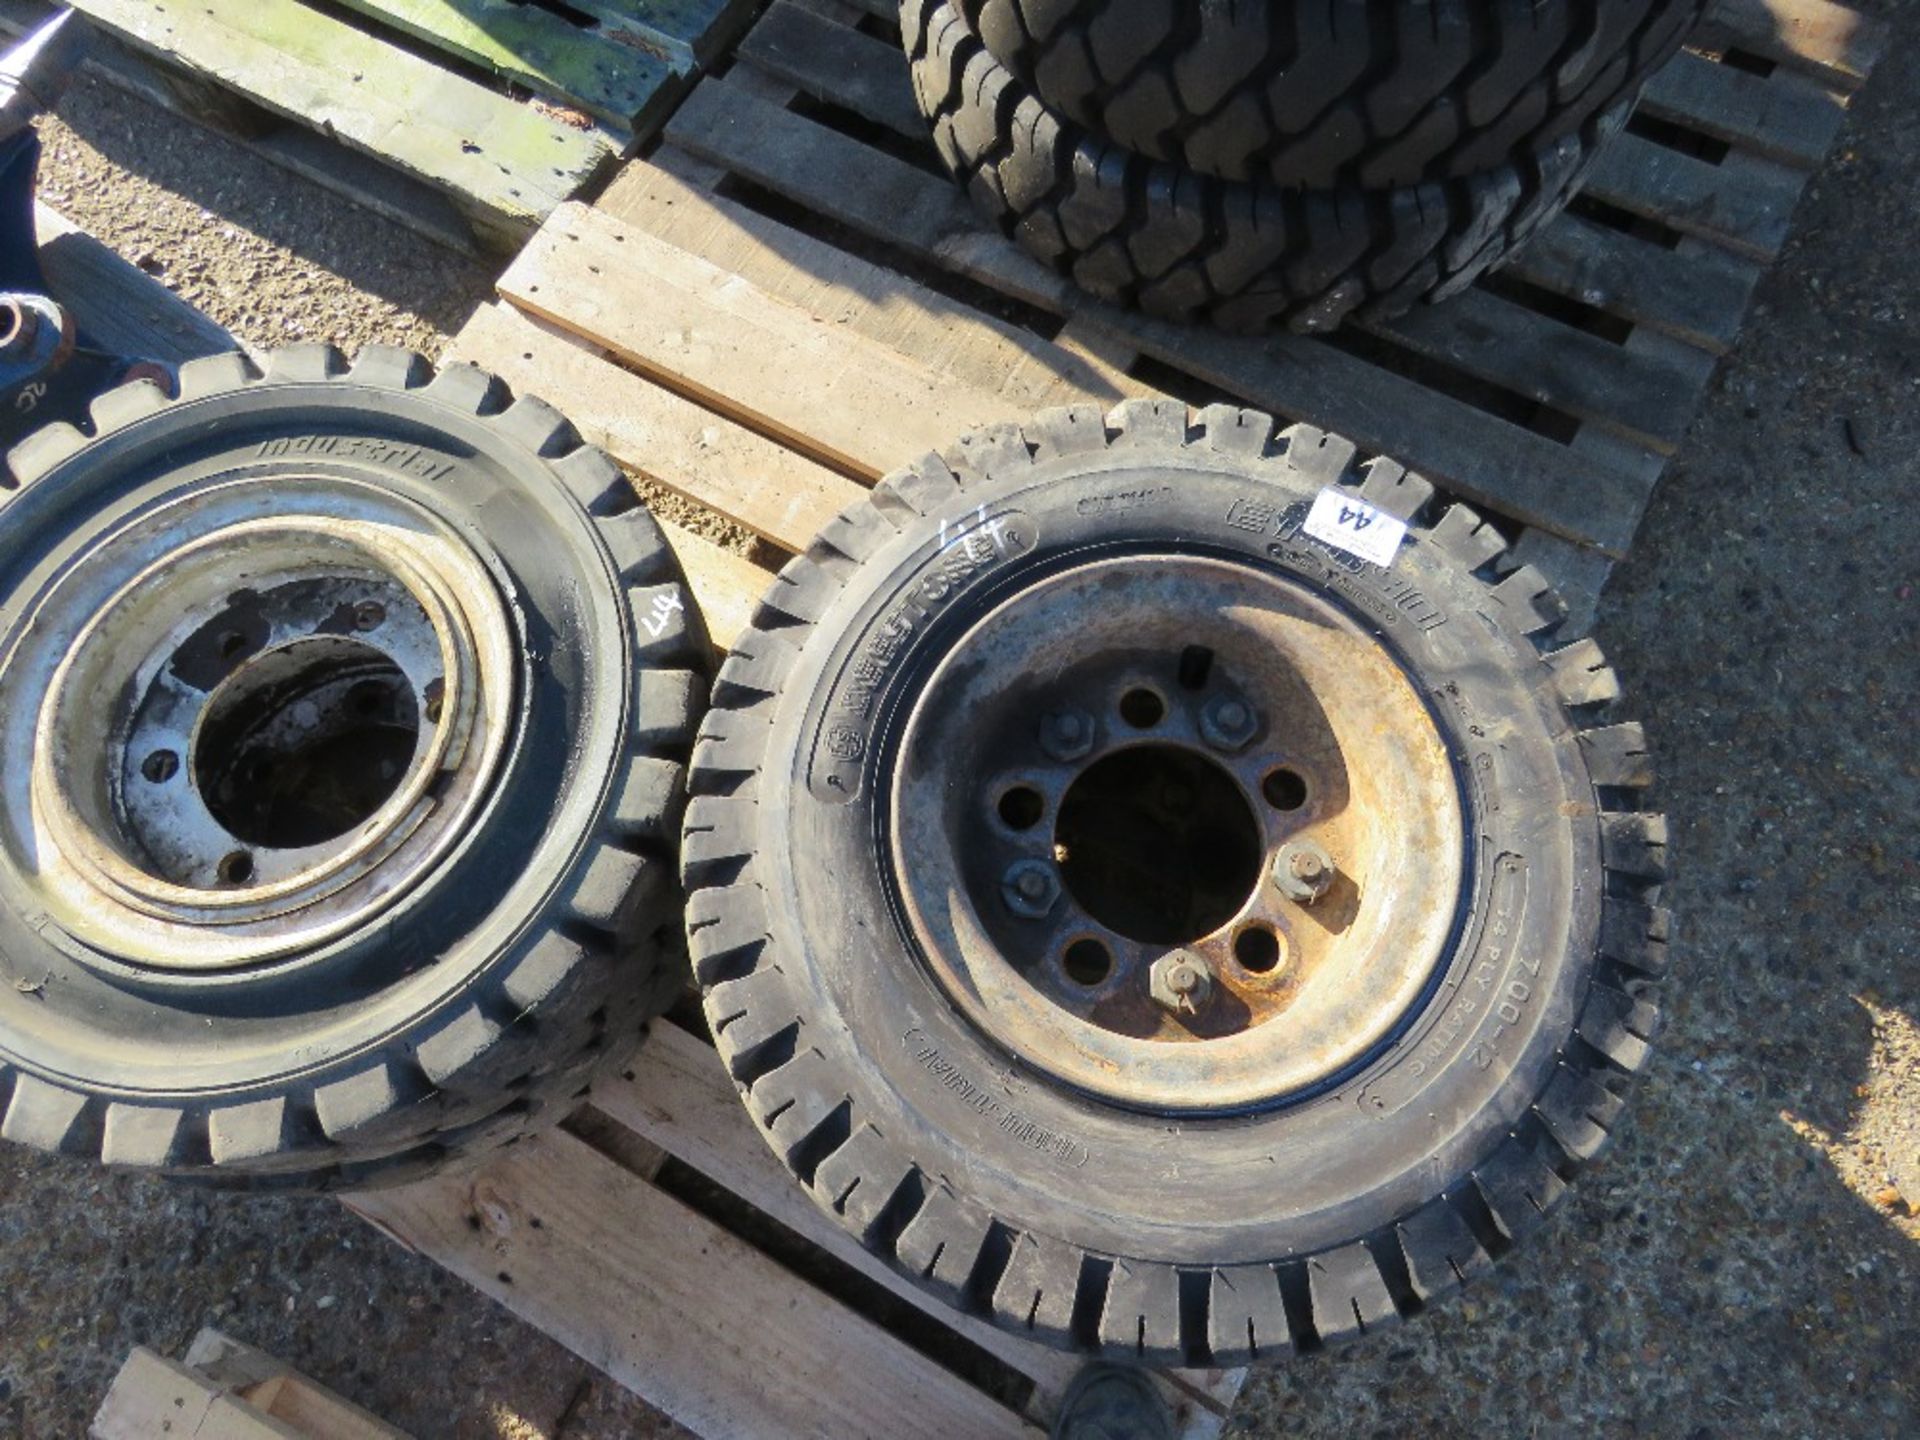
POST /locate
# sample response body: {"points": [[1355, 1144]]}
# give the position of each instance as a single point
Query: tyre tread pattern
{"points": [[1033, 1284], [543, 1022], [1342, 93], [1243, 256]]}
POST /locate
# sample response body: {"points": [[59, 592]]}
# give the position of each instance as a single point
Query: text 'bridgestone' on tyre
{"points": [[1159, 881], [343, 721]]}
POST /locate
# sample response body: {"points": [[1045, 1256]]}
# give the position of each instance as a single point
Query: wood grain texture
{"points": [[613, 78], [501, 158], [708, 1329]]}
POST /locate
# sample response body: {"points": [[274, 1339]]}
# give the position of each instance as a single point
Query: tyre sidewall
{"points": [[1298, 1178]]}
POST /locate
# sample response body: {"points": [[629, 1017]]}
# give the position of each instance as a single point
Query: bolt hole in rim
{"points": [[1279, 719], [1087, 961], [1022, 807], [307, 709], [1142, 708]]}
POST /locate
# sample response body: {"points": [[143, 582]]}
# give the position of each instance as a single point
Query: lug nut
{"points": [[1180, 982], [1303, 871], [1228, 723], [1030, 887], [1067, 734]]}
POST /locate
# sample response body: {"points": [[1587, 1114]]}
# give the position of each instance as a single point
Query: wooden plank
{"points": [[1837, 45], [277, 1390], [1647, 397], [680, 1098], [1698, 293], [1784, 117], [952, 336], [118, 306], [712, 335], [329, 164], [154, 1398], [1519, 473], [1744, 203], [686, 33], [869, 76], [671, 440], [601, 71], [727, 586], [505, 162], [711, 1331]]}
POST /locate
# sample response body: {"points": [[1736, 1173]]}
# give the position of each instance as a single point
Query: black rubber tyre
{"points": [[462, 977], [1347, 93], [1061, 1214], [1188, 247]]}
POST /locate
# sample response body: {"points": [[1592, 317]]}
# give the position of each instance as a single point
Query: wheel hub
{"points": [[265, 713], [1178, 832]]}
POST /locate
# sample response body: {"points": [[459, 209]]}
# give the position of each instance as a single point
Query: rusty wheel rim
{"points": [[1178, 832]]}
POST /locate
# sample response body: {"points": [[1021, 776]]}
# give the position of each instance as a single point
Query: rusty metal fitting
{"points": [[19, 326], [1030, 888], [1180, 982], [1303, 871], [1067, 735], [1228, 723]]}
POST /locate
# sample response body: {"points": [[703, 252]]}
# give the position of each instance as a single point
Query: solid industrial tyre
{"points": [[1347, 93], [968, 735], [1245, 257], [344, 713]]}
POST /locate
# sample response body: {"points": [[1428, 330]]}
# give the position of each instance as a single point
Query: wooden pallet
{"points": [[223, 1390], [657, 1237], [468, 120], [796, 209]]}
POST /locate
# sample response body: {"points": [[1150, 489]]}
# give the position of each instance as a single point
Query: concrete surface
{"points": [[1746, 1262]]}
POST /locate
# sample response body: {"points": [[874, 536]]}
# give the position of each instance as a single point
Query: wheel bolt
{"points": [[1180, 982], [1228, 723], [1030, 887], [1067, 734], [369, 615], [1303, 871]]}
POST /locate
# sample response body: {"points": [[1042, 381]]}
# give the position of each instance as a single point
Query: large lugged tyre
{"points": [[1184, 246], [344, 714], [1347, 93], [1004, 898]]}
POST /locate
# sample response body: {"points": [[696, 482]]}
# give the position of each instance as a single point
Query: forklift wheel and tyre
{"points": [[1158, 879], [343, 716]]}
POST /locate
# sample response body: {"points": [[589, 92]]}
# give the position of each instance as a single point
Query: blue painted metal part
{"points": [[47, 371]]}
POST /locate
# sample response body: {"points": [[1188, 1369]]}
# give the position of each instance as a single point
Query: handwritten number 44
{"points": [[664, 604], [1355, 520]]}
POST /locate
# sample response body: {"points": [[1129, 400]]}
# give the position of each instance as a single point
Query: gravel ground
{"points": [[1747, 1261]]}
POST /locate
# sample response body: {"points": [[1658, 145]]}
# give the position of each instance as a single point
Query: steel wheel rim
{"points": [[1326, 707], [117, 620]]}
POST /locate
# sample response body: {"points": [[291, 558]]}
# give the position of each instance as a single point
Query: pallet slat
{"points": [[712, 1332], [669, 439], [1743, 203], [708, 333], [1696, 293], [1836, 45], [618, 82], [1480, 334], [679, 1099], [1782, 117], [502, 160], [1484, 458]]}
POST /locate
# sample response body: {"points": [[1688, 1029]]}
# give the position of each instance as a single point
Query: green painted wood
{"points": [[685, 33], [593, 70], [505, 165]]}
